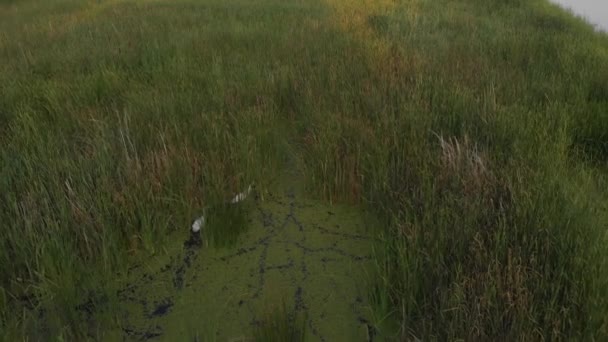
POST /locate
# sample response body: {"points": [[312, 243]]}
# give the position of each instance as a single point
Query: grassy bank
{"points": [[477, 130]]}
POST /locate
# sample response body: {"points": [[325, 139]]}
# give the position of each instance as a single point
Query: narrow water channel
{"points": [[297, 252]]}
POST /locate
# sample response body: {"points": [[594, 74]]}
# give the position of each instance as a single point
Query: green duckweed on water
{"points": [[301, 252]]}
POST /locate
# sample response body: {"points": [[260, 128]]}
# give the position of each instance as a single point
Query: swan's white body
{"points": [[198, 224]]}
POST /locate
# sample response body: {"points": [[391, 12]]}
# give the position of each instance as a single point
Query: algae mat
{"points": [[302, 253]]}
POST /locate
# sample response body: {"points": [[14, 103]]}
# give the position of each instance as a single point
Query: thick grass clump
{"points": [[224, 224], [281, 325]]}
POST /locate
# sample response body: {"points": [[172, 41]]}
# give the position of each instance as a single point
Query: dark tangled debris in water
{"points": [[94, 303], [143, 335], [194, 242], [162, 308]]}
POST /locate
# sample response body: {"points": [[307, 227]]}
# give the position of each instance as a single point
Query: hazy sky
{"points": [[596, 11]]}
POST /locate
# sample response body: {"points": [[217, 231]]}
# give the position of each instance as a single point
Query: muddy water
{"points": [[595, 11], [296, 251]]}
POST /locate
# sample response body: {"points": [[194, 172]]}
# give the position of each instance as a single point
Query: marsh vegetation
{"points": [[476, 131]]}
